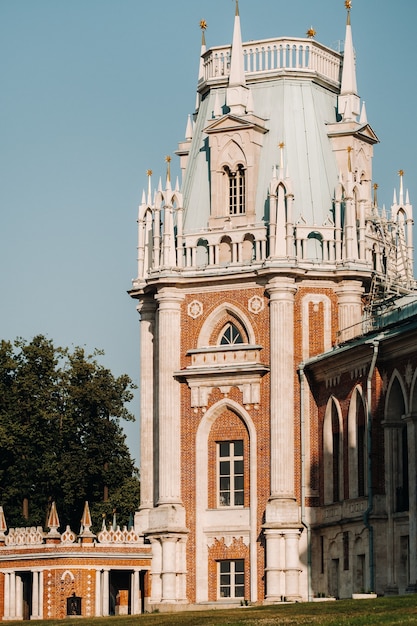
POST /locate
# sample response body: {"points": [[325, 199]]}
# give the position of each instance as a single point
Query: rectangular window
{"points": [[230, 473], [232, 579]]}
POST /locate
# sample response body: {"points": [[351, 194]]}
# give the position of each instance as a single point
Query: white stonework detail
{"points": [[195, 309], [68, 536], [227, 539], [117, 535], [256, 304], [25, 536]]}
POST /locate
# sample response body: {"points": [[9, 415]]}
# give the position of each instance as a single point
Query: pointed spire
{"points": [[103, 522], [364, 118], [53, 520], [168, 180], [86, 518], [189, 129], [160, 185], [349, 102], [143, 201], [114, 524], [407, 197], [149, 175], [401, 174], [281, 147], [237, 94], [3, 525], [86, 535], [203, 26], [394, 200], [177, 184], [375, 195], [237, 72]]}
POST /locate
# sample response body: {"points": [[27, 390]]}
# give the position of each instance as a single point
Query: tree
{"points": [[60, 434]]}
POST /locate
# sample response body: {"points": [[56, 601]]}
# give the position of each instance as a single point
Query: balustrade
{"points": [[272, 55]]}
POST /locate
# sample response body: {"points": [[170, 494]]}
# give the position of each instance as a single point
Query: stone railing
{"points": [[276, 55]]}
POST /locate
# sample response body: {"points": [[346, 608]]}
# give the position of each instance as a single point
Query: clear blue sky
{"points": [[95, 92]]}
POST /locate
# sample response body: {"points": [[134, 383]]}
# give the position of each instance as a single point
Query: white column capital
{"points": [[281, 288]]}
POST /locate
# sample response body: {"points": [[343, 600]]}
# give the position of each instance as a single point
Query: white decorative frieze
{"points": [[25, 536]]}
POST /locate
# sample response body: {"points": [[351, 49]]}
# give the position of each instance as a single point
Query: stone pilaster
{"points": [[169, 334], [147, 311], [281, 291], [349, 294]]}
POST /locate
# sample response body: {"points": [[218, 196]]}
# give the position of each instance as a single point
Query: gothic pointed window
{"points": [[237, 190], [231, 335]]}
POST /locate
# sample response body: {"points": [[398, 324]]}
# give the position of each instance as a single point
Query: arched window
{"points": [[202, 254], [397, 441], [237, 190], [358, 449], [336, 455], [314, 246], [332, 454], [230, 335]]}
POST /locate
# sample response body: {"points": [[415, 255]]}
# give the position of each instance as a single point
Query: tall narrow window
{"points": [[336, 456], [232, 579], [362, 450], [237, 190], [230, 473]]}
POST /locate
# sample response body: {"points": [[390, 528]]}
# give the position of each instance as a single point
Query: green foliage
{"points": [[60, 434]]}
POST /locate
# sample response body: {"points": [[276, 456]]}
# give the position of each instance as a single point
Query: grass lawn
{"points": [[393, 610]]}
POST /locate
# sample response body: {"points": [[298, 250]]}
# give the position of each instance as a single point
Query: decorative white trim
{"points": [[195, 309], [256, 304]]}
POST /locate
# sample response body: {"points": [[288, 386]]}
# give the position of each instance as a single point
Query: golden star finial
{"points": [[311, 32], [168, 159], [376, 186], [203, 24], [348, 4], [149, 172], [281, 145], [401, 173]]}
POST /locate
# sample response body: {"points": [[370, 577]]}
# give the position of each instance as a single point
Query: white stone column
{"points": [[19, 597], [40, 604], [99, 601], [273, 566], [146, 310], [105, 593], [292, 565], [169, 332], [349, 295], [182, 569], [135, 596], [35, 595], [169, 569], [12, 595], [281, 291], [156, 586], [6, 595]]}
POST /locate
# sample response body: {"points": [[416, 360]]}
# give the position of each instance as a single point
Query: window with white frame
{"points": [[230, 335], [231, 578], [230, 473], [237, 190]]}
